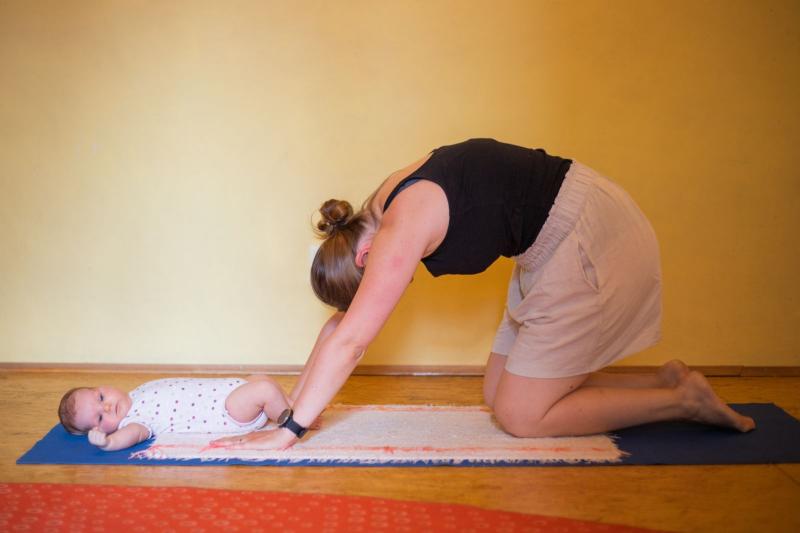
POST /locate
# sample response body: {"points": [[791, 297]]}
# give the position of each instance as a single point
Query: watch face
{"points": [[284, 416]]}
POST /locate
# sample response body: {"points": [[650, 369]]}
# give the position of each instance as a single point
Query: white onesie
{"points": [[187, 405]]}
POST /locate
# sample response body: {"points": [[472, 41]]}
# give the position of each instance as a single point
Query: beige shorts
{"points": [[588, 290]]}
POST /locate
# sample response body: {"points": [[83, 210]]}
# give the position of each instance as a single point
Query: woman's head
{"points": [[335, 276]]}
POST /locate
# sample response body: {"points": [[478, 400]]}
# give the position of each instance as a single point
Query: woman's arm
{"points": [[391, 264], [239, 441], [407, 231], [325, 332]]}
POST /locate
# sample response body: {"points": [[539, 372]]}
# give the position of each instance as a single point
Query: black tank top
{"points": [[499, 197]]}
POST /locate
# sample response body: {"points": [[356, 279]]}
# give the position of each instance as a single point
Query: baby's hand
{"points": [[97, 437]]}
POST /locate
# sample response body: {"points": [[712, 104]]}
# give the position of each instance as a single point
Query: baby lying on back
{"points": [[114, 419]]}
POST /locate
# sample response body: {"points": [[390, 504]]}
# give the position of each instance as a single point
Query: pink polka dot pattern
{"points": [[186, 405], [100, 508]]}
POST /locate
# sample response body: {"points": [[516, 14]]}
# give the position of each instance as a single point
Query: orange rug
{"points": [[64, 507]]}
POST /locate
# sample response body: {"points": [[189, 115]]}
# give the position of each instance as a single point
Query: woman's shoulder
{"points": [[377, 199]]}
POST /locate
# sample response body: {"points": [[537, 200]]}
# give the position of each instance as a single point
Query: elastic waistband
{"points": [[562, 218]]}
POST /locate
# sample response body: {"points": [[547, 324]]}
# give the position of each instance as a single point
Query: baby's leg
{"points": [[249, 400]]}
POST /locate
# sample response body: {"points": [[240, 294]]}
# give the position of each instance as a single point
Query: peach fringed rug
{"points": [[56, 508], [398, 434]]}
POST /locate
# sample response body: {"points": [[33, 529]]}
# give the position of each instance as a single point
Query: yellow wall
{"points": [[160, 162]]}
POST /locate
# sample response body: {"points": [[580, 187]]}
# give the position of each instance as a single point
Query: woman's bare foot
{"points": [[672, 373], [706, 407]]}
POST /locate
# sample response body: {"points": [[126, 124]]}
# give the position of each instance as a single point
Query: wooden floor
{"points": [[674, 498]]}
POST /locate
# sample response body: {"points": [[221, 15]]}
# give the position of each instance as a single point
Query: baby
{"points": [[114, 419]]}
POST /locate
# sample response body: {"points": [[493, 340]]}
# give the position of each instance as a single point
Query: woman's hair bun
{"points": [[335, 214]]}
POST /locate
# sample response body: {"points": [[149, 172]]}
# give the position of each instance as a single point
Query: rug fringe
{"points": [[424, 435]]}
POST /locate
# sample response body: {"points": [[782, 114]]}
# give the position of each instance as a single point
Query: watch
{"points": [[285, 420]]}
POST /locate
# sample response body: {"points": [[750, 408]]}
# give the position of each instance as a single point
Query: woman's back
{"points": [[498, 195]]}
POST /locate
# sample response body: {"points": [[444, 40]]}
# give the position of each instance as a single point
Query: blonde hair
{"points": [[335, 277], [67, 411]]}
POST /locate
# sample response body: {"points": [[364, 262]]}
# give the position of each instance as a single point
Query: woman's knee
{"points": [[489, 388], [491, 377], [515, 419], [523, 405], [488, 394]]}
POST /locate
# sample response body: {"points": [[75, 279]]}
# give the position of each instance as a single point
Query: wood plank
{"points": [[792, 470], [676, 498], [770, 371], [368, 370]]}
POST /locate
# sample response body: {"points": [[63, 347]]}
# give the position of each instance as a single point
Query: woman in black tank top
{"points": [[457, 211]]}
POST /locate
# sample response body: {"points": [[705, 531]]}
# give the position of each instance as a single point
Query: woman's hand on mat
{"points": [[98, 438], [270, 439]]}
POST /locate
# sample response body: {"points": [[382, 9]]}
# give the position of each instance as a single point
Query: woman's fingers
{"points": [[257, 440], [229, 441]]}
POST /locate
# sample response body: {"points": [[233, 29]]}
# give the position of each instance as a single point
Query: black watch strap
{"points": [[291, 425]]}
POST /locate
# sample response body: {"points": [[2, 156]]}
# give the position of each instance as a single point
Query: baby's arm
{"points": [[123, 438]]}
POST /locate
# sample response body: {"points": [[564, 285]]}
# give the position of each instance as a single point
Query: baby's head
{"points": [[84, 408]]}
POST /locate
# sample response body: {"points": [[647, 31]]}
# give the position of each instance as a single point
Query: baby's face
{"points": [[101, 407]]}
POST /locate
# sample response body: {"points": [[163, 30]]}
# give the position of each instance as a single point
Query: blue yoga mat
{"points": [[775, 440]]}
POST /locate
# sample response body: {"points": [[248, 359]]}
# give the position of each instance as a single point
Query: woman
{"points": [[585, 291]]}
